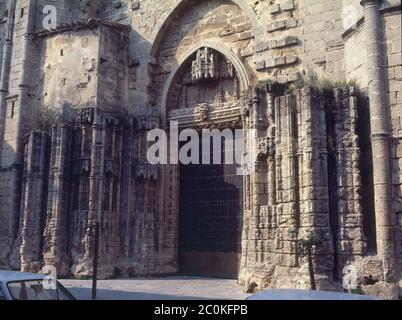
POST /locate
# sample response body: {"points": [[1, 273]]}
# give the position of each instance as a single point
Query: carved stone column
{"points": [[314, 195], [33, 204], [246, 106], [347, 214], [271, 147], [287, 211], [55, 237], [129, 189], [80, 187], [380, 133], [96, 180]]}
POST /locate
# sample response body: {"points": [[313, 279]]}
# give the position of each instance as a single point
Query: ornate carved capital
{"points": [[367, 3]]}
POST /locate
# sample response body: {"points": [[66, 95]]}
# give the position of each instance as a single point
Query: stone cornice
{"points": [[78, 25], [353, 29], [391, 9]]}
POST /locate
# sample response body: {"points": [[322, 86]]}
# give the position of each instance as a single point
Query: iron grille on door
{"points": [[210, 220]]}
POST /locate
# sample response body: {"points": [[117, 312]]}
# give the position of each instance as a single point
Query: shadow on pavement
{"points": [[104, 294]]}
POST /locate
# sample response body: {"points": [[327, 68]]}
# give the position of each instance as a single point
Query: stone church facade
{"points": [[323, 96]]}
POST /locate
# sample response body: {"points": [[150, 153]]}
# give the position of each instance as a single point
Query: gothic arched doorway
{"points": [[205, 93]]}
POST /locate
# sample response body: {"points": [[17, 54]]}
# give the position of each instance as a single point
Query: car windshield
{"points": [[35, 290], [2, 296]]}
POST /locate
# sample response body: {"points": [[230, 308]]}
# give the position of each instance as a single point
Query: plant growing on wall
{"points": [[42, 118], [312, 79], [304, 250]]}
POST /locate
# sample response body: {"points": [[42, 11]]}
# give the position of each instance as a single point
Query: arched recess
{"points": [[165, 21], [241, 71]]}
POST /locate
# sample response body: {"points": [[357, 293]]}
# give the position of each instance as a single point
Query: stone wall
{"points": [[393, 71], [356, 56], [113, 75], [67, 11], [307, 33], [356, 64], [15, 80], [4, 12], [309, 193], [102, 56], [12, 95], [61, 85], [284, 34], [313, 30]]}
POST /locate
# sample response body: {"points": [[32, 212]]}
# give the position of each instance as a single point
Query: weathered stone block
{"points": [[260, 65], [288, 5], [399, 150], [398, 72], [282, 79], [279, 43], [227, 32], [395, 59], [291, 23], [280, 61], [247, 52], [334, 44], [294, 77], [243, 27], [329, 26], [282, 24], [270, 63], [245, 35], [292, 41], [277, 25], [291, 59], [262, 46], [389, 291], [395, 85], [287, 260], [275, 9]]}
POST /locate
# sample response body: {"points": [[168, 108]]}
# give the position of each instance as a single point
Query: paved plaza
{"points": [[168, 288]]}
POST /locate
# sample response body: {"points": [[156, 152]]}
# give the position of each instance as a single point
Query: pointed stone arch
{"points": [[162, 26], [242, 73]]}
